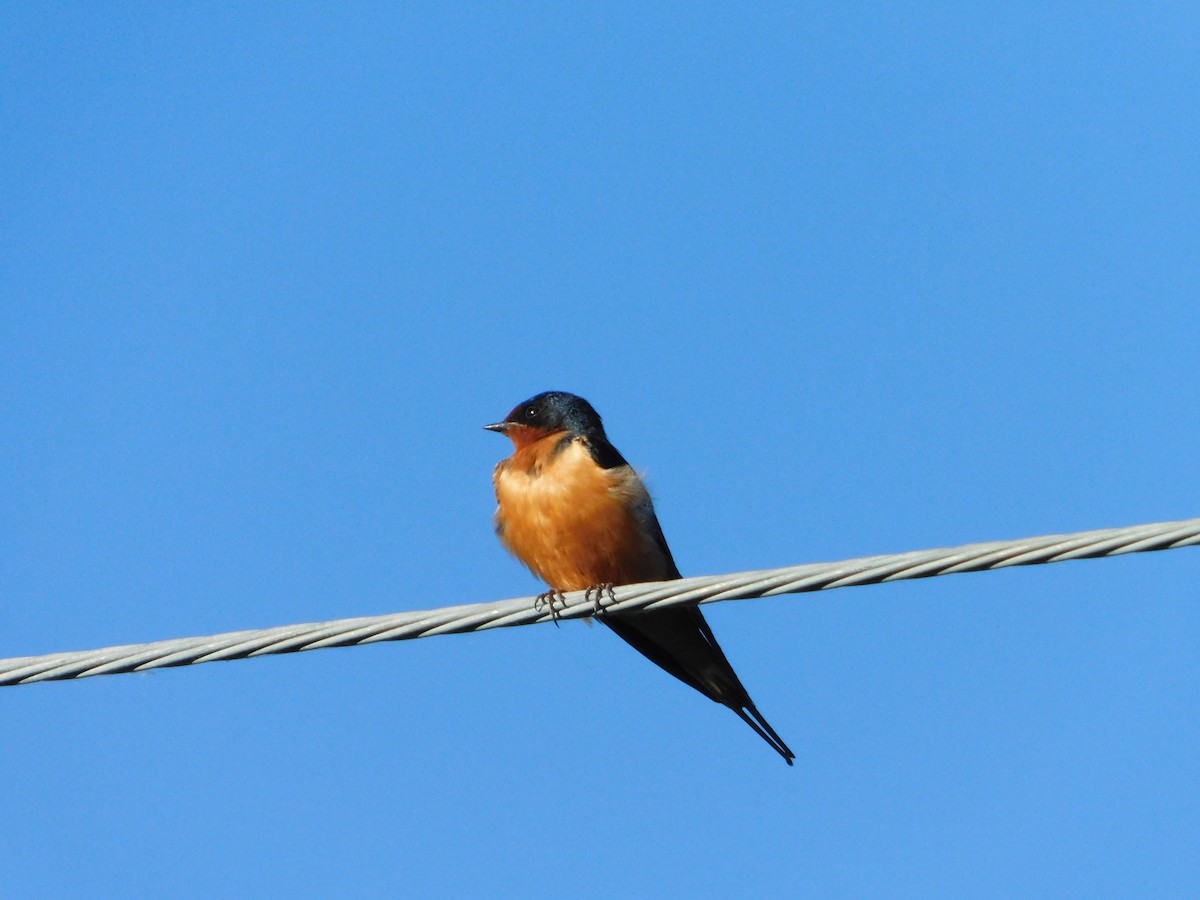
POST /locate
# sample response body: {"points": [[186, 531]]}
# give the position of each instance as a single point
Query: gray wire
{"points": [[524, 611]]}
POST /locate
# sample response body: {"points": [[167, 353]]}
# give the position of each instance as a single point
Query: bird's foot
{"points": [[552, 600], [597, 594]]}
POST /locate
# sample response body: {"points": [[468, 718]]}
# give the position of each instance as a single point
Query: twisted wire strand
{"points": [[654, 595]]}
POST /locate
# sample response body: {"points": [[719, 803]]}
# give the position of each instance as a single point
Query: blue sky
{"points": [[842, 281]]}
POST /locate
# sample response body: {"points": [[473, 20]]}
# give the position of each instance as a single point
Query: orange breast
{"points": [[574, 524]]}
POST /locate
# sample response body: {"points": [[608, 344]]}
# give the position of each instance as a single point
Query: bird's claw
{"points": [[597, 593], [552, 600]]}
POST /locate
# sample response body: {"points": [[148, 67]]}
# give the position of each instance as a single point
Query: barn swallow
{"points": [[579, 517]]}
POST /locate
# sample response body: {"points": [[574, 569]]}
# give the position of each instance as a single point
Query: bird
{"points": [[580, 518]]}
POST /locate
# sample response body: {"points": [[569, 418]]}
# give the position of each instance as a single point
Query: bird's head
{"points": [[548, 413]]}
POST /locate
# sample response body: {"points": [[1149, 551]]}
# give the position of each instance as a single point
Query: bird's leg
{"points": [[596, 594], [549, 599]]}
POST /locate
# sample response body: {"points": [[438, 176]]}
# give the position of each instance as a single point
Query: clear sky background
{"points": [[842, 281]]}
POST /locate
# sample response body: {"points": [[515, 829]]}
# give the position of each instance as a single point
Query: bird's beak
{"points": [[499, 427]]}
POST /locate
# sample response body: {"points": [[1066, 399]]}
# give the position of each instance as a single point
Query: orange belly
{"points": [[574, 524]]}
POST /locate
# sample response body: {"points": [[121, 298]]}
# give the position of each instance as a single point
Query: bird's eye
{"points": [[531, 412]]}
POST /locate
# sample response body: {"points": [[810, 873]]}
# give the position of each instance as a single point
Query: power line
{"points": [[525, 611]]}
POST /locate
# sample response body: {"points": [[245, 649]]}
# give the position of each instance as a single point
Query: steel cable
{"points": [[526, 611]]}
